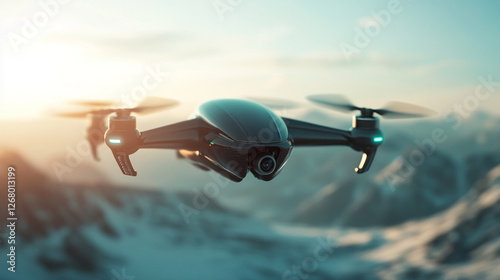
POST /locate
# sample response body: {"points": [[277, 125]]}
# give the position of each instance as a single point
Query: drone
{"points": [[235, 136]]}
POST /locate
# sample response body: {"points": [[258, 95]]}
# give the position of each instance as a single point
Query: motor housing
{"points": [[122, 135], [123, 139]]}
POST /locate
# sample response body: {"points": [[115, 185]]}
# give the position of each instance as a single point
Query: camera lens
{"points": [[266, 165]]}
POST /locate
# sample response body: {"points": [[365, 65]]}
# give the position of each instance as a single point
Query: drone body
{"points": [[234, 136]]}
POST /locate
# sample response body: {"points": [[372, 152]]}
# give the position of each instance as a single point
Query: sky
{"points": [[433, 53]]}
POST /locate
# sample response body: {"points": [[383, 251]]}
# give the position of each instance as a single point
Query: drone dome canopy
{"points": [[244, 120]]}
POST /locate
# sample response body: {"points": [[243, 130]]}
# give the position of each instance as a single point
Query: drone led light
{"points": [[115, 141], [378, 139]]}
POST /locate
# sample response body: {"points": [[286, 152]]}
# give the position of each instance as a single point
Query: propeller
{"points": [[365, 133], [97, 115], [94, 103], [392, 110], [150, 104]]}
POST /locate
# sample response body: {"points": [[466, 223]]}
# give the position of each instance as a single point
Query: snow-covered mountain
{"points": [[409, 179], [69, 231], [398, 193], [461, 243], [317, 220]]}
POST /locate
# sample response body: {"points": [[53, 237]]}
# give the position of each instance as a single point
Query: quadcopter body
{"points": [[235, 136]]}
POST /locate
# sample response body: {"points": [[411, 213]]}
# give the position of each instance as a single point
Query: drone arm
{"points": [[123, 139], [183, 135], [309, 134]]}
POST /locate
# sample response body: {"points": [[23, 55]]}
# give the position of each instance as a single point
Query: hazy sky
{"points": [[427, 52]]}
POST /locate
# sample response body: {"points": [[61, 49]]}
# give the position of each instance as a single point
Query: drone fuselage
{"points": [[232, 137], [246, 137]]}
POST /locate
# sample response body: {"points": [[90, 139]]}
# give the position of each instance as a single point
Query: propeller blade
{"points": [[275, 103], [77, 115], [84, 114], [149, 105], [334, 101], [93, 103], [401, 110], [393, 110], [153, 104]]}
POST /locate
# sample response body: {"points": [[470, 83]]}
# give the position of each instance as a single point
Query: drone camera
{"points": [[264, 164]]}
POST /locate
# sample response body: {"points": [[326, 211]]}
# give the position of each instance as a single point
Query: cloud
{"points": [[325, 60], [162, 46], [139, 46], [441, 65], [413, 65]]}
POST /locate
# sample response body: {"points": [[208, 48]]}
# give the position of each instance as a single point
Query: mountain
{"points": [[400, 192], [461, 243], [69, 231], [412, 176], [317, 220]]}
